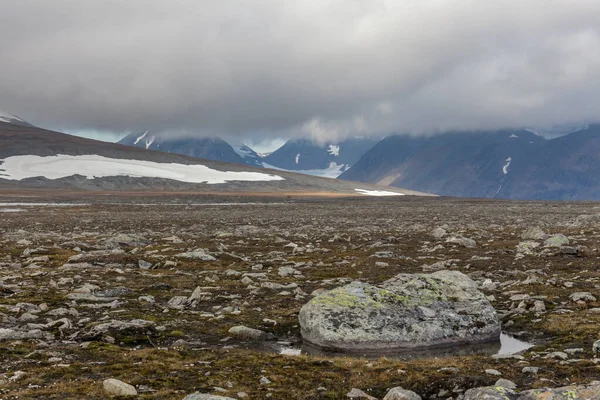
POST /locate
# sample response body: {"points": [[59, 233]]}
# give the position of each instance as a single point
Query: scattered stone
{"points": [[359, 394], [534, 233], [493, 372], [115, 387], [530, 370], [581, 297], [505, 383], [462, 241], [243, 332], [399, 393], [205, 396], [557, 240], [198, 254]]}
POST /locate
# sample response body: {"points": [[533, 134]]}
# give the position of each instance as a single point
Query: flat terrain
{"points": [[145, 289]]}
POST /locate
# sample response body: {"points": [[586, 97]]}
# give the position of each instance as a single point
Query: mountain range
{"points": [[325, 159], [36, 158], [512, 164]]}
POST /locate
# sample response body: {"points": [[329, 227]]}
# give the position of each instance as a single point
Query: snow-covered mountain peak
{"points": [[10, 118]]}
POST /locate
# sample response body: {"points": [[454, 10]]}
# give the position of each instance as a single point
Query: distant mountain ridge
{"points": [[215, 149], [307, 155], [513, 164], [35, 158], [12, 119]]}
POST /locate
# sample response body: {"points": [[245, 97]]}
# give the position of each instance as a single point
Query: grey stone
{"points": [[462, 241], [143, 264], [535, 233], [582, 297], [505, 383], [399, 393], [359, 394], [591, 392], [490, 393], [243, 332], [115, 387], [407, 311], [557, 240], [493, 372], [198, 254], [439, 233], [205, 396]]}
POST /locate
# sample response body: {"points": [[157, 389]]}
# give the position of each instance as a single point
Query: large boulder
{"points": [[591, 391], [407, 311]]}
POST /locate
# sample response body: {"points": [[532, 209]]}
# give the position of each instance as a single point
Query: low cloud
{"points": [[324, 69]]}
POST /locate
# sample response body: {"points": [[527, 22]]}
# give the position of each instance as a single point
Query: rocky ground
{"points": [[147, 291]]}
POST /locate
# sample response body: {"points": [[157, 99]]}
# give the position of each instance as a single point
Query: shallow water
{"points": [[506, 345]]}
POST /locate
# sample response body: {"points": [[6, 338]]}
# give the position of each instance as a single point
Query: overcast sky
{"points": [[321, 68]]}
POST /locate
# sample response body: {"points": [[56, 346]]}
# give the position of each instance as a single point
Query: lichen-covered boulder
{"points": [[407, 311], [589, 392], [490, 393]]}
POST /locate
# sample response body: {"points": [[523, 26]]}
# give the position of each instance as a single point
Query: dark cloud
{"points": [[312, 67]]}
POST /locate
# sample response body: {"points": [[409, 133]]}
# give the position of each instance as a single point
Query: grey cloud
{"points": [[313, 67]]}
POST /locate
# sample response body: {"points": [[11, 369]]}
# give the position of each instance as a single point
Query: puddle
{"points": [[510, 345], [507, 345]]}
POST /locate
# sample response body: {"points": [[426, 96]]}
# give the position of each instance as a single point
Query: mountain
{"points": [[514, 164], [249, 156], [34, 158], [208, 148], [328, 159], [13, 119]]}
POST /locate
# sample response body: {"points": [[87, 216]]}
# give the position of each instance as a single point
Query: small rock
{"points": [[205, 396], [531, 370], [243, 332], [581, 297], [264, 380], [359, 394], [493, 372], [115, 387], [557, 240], [505, 383], [399, 393]]}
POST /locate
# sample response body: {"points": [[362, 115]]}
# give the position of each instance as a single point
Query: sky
{"points": [[262, 70]]}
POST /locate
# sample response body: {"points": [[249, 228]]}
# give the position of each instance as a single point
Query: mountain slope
{"points": [[514, 164], [249, 156], [12, 119], [306, 155], [31, 157], [208, 148]]}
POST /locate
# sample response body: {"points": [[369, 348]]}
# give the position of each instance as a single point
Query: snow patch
{"points": [[94, 166], [149, 142], [378, 193], [334, 150], [513, 136], [505, 167], [297, 158], [333, 171], [140, 138], [243, 150], [11, 210], [6, 117]]}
